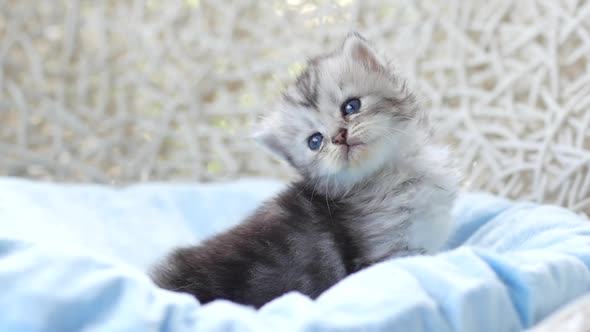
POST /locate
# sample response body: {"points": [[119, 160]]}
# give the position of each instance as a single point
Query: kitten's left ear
{"points": [[355, 47], [270, 141]]}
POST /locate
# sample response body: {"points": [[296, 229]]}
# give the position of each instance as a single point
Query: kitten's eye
{"points": [[315, 141], [351, 106]]}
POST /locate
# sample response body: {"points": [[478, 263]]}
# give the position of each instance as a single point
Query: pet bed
{"points": [[74, 258]]}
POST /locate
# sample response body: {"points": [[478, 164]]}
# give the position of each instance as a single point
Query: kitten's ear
{"points": [[355, 47], [267, 138]]}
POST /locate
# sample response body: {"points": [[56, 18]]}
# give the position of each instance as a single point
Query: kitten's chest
{"points": [[381, 228]]}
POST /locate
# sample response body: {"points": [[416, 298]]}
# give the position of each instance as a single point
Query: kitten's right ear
{"points": [[358, 49]]}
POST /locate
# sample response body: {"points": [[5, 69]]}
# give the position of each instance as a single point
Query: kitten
{"points": [[373, 186]]}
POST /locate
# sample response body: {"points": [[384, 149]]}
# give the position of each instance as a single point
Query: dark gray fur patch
{"points": [[300, 241], [402, 109], [307, 86], [291, 100]]}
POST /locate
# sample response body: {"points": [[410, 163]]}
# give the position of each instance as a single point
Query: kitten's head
{"points": [[344, 117]]}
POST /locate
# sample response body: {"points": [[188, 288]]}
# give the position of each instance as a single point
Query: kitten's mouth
{"points": [[350, 150]]}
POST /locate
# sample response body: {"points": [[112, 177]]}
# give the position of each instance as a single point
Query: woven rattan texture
{"points": [[122, 91]]}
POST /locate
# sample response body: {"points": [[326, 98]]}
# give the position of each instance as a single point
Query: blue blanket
{"points": [[72, 258]]}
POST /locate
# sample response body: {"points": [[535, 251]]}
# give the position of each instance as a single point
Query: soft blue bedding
{"points": [[72, 258]]}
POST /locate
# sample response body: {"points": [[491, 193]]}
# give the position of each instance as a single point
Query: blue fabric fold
{"points": [[506, 266]]}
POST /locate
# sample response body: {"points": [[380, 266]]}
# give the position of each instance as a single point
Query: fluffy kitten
{"points": [[373, 187]]}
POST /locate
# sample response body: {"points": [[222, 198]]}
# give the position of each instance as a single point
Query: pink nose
{"points": [[340, 138]]}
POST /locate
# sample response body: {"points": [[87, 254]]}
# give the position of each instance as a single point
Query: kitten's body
{"points": [[357, 204]]}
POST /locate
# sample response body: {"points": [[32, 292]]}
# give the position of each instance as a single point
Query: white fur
{"points": [[415, 221]]}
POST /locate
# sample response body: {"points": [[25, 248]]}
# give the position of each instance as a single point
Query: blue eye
{"points": [[315, 141], [351, 106]]}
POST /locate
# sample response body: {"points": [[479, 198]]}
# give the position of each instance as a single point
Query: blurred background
{"points": [[126, 91]]}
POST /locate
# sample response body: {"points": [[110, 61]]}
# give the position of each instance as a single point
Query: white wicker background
{"points": [[119, 91]]}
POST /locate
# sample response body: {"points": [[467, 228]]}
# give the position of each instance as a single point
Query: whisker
{"points": [[302, 190], [404, 117], [391, 139], [380, 125], [313, 190], [182, 287], [393, 128]]}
